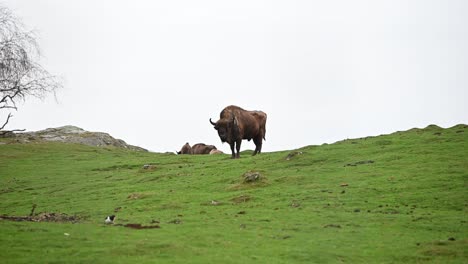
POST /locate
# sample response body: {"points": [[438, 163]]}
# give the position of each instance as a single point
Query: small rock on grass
{"points": [[252, 176]]}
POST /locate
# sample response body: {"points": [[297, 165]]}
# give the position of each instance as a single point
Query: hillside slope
{"points": [[399, 198]]}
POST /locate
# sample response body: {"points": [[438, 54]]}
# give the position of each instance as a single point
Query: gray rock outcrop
{"points": [[73, 134]]}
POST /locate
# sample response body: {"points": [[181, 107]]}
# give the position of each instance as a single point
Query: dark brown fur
{"points": [[186, 149], [201, 148], [236, 124]]}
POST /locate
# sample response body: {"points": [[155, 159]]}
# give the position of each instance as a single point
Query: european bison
{"points": [[236, 124], [199, 148], [186, 149]]}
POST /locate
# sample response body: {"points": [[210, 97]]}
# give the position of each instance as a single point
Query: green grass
{"points": [[389, 199]]}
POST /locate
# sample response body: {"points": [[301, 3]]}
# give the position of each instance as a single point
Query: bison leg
{"points": [[238, 145], [258, 146], [232, 150]]}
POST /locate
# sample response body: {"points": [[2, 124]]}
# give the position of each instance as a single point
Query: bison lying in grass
{"points": [[199, 148]]}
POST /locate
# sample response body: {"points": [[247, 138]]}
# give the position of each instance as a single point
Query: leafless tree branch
{"points": [[21, 76], [6, 122]]}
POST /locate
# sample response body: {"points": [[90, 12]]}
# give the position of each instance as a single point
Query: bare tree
{"points": [[21, 76]]}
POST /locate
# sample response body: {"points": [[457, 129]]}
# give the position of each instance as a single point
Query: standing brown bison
{"points": [[236, 124]]}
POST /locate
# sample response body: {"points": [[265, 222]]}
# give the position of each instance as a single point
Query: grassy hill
{"points": [[399, 198]]}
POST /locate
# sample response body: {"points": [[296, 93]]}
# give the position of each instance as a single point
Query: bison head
{"points": [[186, 149], [226, 128]]}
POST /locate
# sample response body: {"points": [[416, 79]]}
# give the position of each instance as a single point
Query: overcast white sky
{"points": [[153, 72]]}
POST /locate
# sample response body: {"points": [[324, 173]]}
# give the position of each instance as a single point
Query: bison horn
{"points": [[214, 124]]}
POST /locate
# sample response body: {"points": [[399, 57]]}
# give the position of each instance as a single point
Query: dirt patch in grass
{"points": [[44, 217], [450, 247], [362, 162], [139, 226], [118, 167], [332, 226]]}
